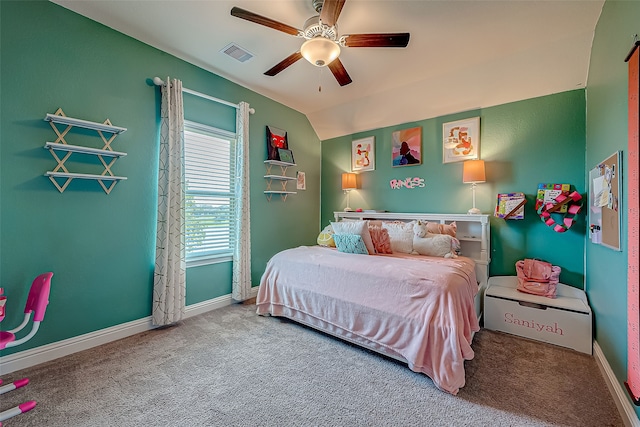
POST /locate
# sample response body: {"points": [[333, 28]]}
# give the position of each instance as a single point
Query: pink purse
{"points": [[537, 277]]}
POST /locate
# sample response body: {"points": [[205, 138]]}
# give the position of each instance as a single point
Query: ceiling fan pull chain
{"points": [[320, 79]]}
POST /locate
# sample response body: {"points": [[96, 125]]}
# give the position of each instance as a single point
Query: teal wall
{"points": [[606, 133], [523, 144], [101, 247]]}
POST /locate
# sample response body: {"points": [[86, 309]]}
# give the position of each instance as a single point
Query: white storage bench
{"points": [[564, 320]]}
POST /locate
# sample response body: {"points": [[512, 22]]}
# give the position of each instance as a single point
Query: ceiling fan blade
{"points": [[377, 40], [267, 22], [331, 11], [339, 72], [289, 60]]}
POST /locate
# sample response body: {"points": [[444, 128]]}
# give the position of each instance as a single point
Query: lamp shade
{"points": [[349, 181], [473, 171], [320, 51]]}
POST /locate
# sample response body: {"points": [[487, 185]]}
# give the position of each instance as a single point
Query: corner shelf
{"points": [[60, 145], [283, 179]]}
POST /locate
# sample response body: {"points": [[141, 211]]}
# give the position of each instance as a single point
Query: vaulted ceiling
{"points": [[462, 55]]}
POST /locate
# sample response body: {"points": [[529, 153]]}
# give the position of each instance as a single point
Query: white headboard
{"points": [[472, 232]]}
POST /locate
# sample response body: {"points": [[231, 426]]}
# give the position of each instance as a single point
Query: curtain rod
{"points": [[159, 82]]}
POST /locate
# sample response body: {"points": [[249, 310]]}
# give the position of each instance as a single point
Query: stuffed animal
{"points": [[420, 228], [440, 245]]}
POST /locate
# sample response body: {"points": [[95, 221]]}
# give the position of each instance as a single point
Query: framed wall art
{"points": [[406, 147], [276, 139], [363, 156], [285, 156], [461, 140], [301, 182]]}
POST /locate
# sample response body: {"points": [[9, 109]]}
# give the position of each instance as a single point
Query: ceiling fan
{"points": [[322, 45]]}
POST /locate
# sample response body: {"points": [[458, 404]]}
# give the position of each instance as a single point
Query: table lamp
{"points": [[473, 173], [348, 184]]}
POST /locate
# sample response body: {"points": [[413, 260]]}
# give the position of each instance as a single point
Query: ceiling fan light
{"points": [[320, 51]]}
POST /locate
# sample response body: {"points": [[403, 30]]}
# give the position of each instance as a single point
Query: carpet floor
{"points": [[230, 367]]}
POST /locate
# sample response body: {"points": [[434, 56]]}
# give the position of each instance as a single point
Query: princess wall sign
{"points": [[409, 182]]}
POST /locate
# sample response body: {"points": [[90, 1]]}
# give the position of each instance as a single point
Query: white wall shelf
{"points": [[85, 150], [85, 176], [106, 179], [64, 120], [280, 178], [283, 179], [278, 163]]}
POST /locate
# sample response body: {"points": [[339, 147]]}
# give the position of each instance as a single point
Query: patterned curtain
{"points": [[241, 287], [169, 287]]}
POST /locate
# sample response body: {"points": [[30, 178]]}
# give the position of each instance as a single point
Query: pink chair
{"points": [[37, 304]]}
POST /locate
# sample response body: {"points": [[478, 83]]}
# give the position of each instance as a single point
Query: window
{"points": [[210, 170]]}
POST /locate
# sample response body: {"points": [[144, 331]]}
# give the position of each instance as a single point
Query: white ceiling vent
{"points": [[237, 52]]}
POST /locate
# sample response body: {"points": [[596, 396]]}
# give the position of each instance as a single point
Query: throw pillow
{"points": [[355, 227], [400, 235], [350, 244], [325, 238], [437, 228], [380, 239], [438, 245]]}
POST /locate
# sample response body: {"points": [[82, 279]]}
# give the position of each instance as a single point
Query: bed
{"points": [[422, 310]]}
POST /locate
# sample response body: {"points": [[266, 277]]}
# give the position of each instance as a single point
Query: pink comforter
{"points": [[417, 308]]}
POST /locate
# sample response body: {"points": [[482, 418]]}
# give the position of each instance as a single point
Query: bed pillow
{"points": [[380, 239], [437, 228], [354, 227], [400, 235], [325, 238], [350, 244]]}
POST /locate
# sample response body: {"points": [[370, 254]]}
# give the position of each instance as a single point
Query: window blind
{"points": [[209, 158]]}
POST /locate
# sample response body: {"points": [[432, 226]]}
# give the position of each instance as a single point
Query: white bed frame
{"points": [[473, 232]]}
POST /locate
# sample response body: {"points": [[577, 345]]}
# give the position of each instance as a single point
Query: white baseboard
{"points": [[35, 356], [619, 394]]}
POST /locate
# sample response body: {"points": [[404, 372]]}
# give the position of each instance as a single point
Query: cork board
{"points": [[604, 203]]}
